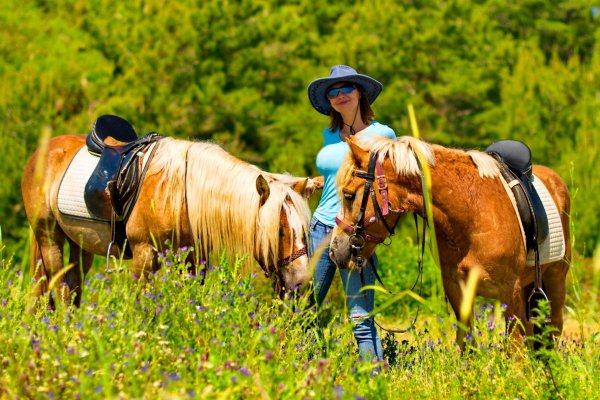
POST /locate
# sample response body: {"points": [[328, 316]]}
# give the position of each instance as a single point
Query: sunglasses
{"points": [[346, 89]]}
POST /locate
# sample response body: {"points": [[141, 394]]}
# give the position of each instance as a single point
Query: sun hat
{"points": [[340, 73]]}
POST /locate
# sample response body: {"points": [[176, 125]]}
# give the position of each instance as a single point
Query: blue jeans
{"points": [[360, 304]]}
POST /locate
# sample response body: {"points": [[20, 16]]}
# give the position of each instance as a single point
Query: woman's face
{"points": [[343, 102]]}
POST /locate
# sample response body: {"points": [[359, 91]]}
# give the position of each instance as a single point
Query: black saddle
{"points": [[109, 125], [516, 168], [113, 187]]}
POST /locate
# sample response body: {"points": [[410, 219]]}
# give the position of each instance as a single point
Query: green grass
{"points": [[229, 338]]}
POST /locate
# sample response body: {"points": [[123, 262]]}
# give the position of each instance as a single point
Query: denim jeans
{"points": [[360, 304]]}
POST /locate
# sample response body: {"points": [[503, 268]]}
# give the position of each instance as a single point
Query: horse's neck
{"points": [[453, 192]]}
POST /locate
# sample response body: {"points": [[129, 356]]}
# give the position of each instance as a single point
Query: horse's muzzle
{"points": [[340, 252]]}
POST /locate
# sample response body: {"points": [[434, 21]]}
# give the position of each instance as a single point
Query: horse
{"points": [[476, 227], [193, 193]]}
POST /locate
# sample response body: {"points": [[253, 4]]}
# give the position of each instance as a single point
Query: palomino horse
{"points": [[193, 193], [475, 223]]}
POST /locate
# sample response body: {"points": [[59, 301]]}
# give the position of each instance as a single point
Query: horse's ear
{"points": [[262, 187], [361, 155], [308, 186]]}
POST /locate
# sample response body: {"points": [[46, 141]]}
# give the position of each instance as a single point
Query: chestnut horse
{"points": [[193, 193], [475, 223]]}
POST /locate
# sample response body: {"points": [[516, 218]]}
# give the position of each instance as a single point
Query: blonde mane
{"points": [[401, 153], [223, 205]]}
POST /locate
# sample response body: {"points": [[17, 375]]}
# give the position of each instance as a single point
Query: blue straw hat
{"points": [[340, 73]]}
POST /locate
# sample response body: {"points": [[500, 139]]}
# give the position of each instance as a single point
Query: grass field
{"points": [[229, 338]]}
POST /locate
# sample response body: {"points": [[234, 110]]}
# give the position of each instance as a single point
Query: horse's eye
{"points": [[349, 196]]}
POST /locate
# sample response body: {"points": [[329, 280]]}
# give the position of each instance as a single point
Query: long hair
{"points": [[366, 112], [223, 205]]}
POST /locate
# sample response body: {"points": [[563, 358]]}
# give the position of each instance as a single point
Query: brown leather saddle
{"points": [[113, 187]]}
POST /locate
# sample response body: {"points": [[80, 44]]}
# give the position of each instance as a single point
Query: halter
{"points": [[358, 235], [281, 263]]}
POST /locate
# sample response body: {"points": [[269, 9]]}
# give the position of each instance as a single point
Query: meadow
{"points": [[235, 73], [173, 337]]}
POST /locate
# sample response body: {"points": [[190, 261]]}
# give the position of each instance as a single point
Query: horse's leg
{"points": [[515, 314], [81, 262], [554, 279], [37, 270], [145, 260], [50, 274], [454, 295]]}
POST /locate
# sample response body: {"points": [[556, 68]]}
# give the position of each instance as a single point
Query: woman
{"points": [[346, 97]]}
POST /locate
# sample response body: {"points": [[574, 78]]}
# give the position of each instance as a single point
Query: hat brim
{"points": [[318, 88]]}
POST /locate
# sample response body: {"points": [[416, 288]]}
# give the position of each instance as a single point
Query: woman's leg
{"points": [[360, 306], [324, 267]]}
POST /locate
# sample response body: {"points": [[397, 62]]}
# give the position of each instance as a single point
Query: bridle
{"points": [[283, 262], [358, 234], [279, 266]]}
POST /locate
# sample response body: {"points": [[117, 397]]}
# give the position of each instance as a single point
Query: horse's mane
{"points": [[401, 153], [223, 205]]}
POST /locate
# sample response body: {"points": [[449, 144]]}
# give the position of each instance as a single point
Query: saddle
{"points": [[113, 187], [516, 168]]}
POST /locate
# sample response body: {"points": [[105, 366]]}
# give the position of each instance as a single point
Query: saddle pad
{"points": [[70, 192], [553, 247]]}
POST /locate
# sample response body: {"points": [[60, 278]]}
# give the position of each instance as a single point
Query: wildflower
{"points": [[338, 391], [268, 355], [244, 371], [174, 376]]}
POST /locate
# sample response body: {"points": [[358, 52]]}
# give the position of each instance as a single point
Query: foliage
{"points": [[236, 73]]}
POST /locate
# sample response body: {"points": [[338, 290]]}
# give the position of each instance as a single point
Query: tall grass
{"points": [[173, 337]]}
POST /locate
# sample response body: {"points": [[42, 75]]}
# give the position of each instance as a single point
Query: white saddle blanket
{"points": [[553, 247], [70, 192], [72, 186]]}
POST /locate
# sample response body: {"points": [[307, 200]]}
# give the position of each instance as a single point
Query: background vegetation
{"points": [[236, 72]]}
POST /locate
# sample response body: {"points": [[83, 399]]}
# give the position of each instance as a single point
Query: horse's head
{"points": [[284, 219], [367, 217]]}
